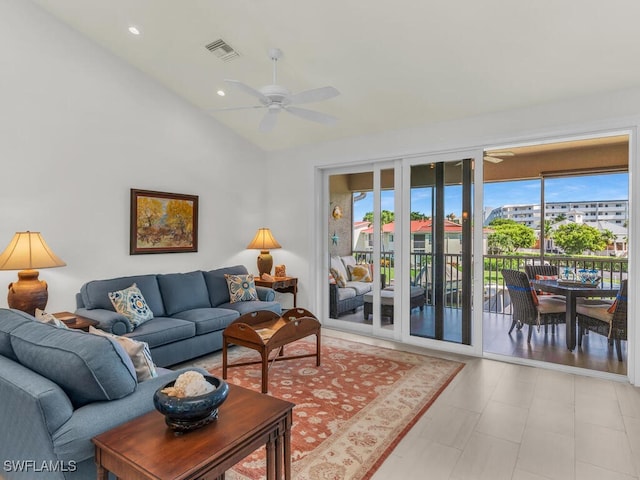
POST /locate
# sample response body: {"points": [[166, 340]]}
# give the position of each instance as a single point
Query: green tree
{"points": [[386, 216], [452, 218], [560, 217], [418, 216], [509, 235], [608, 236], [576, 238], [548, 229]]}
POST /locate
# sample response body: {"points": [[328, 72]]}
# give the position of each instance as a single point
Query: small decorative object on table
{"points": [[191, 401], [281, 271]]}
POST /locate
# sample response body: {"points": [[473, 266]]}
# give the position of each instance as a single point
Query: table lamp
{"points": [[264, 241], [26, 252]]}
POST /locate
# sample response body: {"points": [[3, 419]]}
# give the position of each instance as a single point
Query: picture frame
{"points": [[163, 222]]}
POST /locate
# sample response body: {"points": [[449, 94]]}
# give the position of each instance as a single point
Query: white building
{"points": [[611, 211]]}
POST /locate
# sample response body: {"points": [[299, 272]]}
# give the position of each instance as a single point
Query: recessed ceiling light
{"points": [[221, 93], [134, 30]]}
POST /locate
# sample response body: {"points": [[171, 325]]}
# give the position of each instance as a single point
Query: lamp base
{"points": [[28, 293], [265, 262]]}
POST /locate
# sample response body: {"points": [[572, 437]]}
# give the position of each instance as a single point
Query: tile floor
{"points": [[503, 421]]}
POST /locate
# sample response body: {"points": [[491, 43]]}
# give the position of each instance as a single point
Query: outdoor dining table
{"points": [[571, 291]]}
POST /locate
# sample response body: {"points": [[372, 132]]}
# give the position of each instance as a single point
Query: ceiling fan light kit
{"points": [[276, 98]]}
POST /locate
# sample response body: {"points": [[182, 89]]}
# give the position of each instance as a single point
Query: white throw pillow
{"points": [[137, 351]]}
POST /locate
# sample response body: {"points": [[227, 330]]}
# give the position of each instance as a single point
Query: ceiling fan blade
{"points": [[269, 120], [249, 90], [491, 159], [248, 107], [314, 95], [311, 115]]}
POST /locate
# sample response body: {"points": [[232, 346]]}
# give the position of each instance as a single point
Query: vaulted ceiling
{"points": [[396, 64]]}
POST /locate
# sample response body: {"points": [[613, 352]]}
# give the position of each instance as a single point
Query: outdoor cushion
{"points": [[360, 287], [183, 291], [348, 261], [337, 264], [344, 293], [87, 367]]}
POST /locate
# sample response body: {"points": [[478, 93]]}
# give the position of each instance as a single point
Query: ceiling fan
{"points": [[276, 98], [494, 157]]}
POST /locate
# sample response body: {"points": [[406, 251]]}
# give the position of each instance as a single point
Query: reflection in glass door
{"points": [[361, 246], [440, 260]]}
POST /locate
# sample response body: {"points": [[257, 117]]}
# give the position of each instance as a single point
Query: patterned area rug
{"points": [[350, 412]]}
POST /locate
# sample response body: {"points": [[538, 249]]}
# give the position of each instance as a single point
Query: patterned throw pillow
{"points": [[130, 303], [45, 317], [360, 273], [242, 288], [137, 351], [340, 280]]}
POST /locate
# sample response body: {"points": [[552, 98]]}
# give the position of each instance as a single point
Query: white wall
{"points": [[79, 128]]}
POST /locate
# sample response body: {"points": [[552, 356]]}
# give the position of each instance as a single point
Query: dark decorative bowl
{"points": [[188, 413]]}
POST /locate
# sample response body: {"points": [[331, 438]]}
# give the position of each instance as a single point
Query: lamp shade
{"points": [[264, 240], [28, 251]]}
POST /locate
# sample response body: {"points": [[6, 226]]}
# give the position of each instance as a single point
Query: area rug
{"points": [[350, 412]]}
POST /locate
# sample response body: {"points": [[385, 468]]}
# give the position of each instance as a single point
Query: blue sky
{"points": [[571, 189]]}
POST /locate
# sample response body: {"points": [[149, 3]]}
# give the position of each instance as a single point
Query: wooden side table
{"points": [[282, 285], [145, 448], [77, 322]]}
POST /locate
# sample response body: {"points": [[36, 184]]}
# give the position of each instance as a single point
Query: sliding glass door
{"points": [[440, 254]]}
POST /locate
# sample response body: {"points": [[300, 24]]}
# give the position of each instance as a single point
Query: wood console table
{"points": [[145, 448], [282, 285]]}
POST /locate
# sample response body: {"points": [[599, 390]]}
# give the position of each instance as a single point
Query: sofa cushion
{"points": [[131, 304], [138, 353], [183, 291], [87, 367], [242, 288], [217, 284], [95, 294], [253, 306], [163, 330], [209, 319], [10, 320]]}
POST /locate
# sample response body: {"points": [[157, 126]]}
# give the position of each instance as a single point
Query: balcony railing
{"points": [[612, 271]]}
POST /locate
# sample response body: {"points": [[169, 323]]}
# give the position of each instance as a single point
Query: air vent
{"points": [[222, 50]]}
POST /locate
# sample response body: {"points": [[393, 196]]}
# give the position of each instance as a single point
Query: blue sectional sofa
{"points": [[190, 311], [58, 389]]}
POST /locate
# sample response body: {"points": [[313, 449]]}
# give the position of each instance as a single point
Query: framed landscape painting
{"points": [[163, 222]]}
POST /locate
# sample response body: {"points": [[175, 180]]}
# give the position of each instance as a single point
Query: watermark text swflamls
{"points": [[44, 466]]}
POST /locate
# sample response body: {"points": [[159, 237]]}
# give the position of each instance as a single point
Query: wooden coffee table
{"points": [[145, 448], [265, 331]]}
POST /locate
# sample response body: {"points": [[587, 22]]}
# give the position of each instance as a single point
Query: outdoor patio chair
{"points": [[526, 307], [605, 319]]}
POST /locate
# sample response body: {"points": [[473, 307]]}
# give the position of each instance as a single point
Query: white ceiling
{"points": [[397, 64]]}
